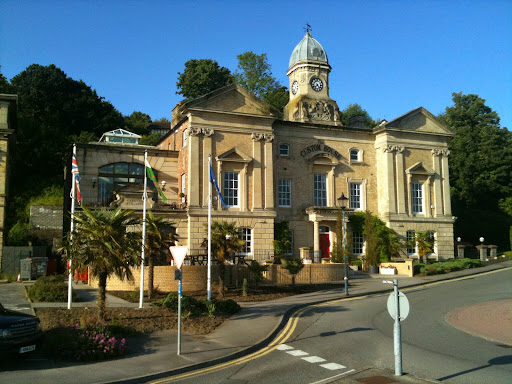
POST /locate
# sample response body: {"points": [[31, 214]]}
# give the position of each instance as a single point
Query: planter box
{"points": [[354, 267], [388, 271], [306, 261]]}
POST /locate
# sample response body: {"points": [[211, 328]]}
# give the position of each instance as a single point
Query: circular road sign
{"points": [[403, 306]]}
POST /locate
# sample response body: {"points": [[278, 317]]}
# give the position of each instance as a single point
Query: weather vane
{"points": [[307, 28]]}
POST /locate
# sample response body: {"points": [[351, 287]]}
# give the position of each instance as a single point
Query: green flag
{"points": [[151, 176]]}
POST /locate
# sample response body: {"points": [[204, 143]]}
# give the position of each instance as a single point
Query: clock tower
{"points": [[308, 72]]}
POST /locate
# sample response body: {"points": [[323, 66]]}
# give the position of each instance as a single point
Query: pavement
{"points": [[251, 329]]}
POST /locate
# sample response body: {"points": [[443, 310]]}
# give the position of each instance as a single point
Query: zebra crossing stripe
{"points": [[313, 359], [284, 347], [332, 366], [298, 352]]}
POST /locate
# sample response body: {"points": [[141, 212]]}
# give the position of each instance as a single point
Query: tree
{"points": [[424, 241], [225, 240], [160, 234], [481, 153], [103, 242], [137, 122], [151, 139], [254, 73], [277, 97], [201, 77], [293, 266], [353, 110], [5, 87], [282, 238]]}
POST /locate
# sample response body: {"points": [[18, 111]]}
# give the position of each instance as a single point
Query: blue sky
{"points": [[388, 56]]}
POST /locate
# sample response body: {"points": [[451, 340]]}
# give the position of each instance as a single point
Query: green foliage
{"points": [[201, 77], [337, 255], [481, 153], [152, 139], [84, 137], [5, 86], [450, 266], [88, 340], [372, 241], [417, 267], [19, 234], [52, 195], [137, 122], [357, 262], [293, 266], [282, 238], [51, 289], [254, 73], [102, 242], [353, 110], [424, 242], [277, 97], [506, 205], [198, 308], [257, 270], [222, 246]]}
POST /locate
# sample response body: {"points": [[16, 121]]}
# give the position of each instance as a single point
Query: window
{"points": [[183, 184], [417, 198], [285, 193], [185, 137], [246, 235], [357, 243], [432, 240], [320, 189], [354, 155], [355, 196], [112, 177], [289, 252], [411, 242], [284, 150], [230, 192]]}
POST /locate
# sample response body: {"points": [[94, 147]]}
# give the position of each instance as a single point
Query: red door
{"points": [[324, 245]]}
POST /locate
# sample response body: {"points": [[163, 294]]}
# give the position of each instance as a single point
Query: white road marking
{"points": [[298, 352], [284, 347], [333, 377], [313, 359], [332, 366]]}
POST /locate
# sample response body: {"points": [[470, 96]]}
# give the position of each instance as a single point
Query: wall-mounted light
{"points": [[93, 179], [163, 185]]}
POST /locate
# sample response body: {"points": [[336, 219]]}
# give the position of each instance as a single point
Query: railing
{"points": [[170, 204]]}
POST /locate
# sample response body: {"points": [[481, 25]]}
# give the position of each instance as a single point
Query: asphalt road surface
{"points": [[331, 340]]}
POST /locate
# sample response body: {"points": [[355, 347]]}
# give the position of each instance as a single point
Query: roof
{"points": [[121, 134], [308, 49]]}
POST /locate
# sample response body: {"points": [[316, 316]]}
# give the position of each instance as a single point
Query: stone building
{"points": [[8, 119], [292, 167]]}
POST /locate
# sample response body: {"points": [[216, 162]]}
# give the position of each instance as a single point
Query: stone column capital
{"points": [[257, 136]]}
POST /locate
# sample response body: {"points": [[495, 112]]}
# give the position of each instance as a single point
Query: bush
{"points": [[89, 340], [53, 289], [449, 266], [357, 262], [195, 307], [417, 268]]}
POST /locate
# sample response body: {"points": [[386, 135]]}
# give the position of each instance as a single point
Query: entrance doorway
{"points": [[324, 243]]}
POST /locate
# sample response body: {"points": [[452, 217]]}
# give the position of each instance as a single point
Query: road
{"points": [[330, 340]]}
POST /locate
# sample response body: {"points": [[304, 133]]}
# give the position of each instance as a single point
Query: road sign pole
{"points": [[179, 314], [397, 332]]}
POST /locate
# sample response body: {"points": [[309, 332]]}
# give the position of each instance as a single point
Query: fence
{"points": [[11, 257]]}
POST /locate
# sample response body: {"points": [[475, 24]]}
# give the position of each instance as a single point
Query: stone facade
{"points": [[8, 119]]}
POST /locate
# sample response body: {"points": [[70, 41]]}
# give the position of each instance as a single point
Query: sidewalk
{"points": [[247, 331]]}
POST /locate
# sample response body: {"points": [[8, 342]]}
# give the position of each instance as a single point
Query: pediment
{"points": [[419, 120], [323, 159], [234, 155], [233, 98], [420, 169]]}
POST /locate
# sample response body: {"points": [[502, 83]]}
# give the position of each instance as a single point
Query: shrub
{"points": [[227, 307], [357, 262], [417, 268], [193, 307], [88, 340], [448, 266], [52, 289]]}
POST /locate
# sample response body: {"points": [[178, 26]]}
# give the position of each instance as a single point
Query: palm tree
{"points": [[160, 234], [102, 242], [293, 266], [425, 244], [224, 241]]}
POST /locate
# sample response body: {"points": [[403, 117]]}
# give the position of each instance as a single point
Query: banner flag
{"points": [[151, 176], [214, 182]]}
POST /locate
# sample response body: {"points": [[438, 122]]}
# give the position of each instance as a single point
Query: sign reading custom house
{"points": [[320, 148]]}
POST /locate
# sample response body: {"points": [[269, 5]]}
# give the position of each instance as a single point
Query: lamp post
{"points": [[342, 202]]}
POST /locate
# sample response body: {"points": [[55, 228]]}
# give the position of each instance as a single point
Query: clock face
{"points": [[295, 87], [316, 84]]}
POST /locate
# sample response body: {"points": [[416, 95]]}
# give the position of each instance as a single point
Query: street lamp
{"points": [[342, 203]]}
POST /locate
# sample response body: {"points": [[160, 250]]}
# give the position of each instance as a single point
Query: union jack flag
{"points": [[74, 171]]}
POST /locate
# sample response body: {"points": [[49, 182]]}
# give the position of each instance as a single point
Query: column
{"points": [[446, 184], [207, 150], [193, 167], [269, 172], [400, 180], [438, 193], [428, 201], [387, 203], [460, 251], [316, 238], [243, 189], [257, 184], [220, 182], [331, 199]]}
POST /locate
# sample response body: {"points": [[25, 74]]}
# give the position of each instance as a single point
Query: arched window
{"points": [[356, 155], [284, 150], [112, 177]]}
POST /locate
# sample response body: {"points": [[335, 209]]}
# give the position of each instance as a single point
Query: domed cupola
{"points": [[308, 49], [308, 72]]}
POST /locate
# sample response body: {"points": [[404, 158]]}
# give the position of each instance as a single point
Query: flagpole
{"points": [[209, 278], [73, 179], [144, 198]]}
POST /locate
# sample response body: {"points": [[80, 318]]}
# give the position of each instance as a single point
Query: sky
{"points": [[388, 56]]}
